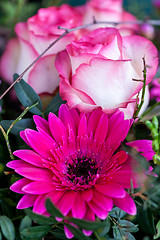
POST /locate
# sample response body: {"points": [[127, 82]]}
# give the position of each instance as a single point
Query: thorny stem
{"points": [[7, 142], [67, 31], [143, 89], [20, 117], [5, 134], [115, 222]]}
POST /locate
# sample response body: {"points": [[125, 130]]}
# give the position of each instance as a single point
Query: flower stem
{"points": [[7, 142], [143, 89]]}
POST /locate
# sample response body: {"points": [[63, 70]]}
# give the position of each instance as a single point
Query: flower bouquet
{"points": [[79, 139]]}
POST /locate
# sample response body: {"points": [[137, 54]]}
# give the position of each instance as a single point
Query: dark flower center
{"points": [[82, 171]]}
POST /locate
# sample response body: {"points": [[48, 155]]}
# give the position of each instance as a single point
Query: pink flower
{"points": [[156, 3], [155, 90], [33, 37], [147, 31], [109, 11], [98, 70], [76, 161]]}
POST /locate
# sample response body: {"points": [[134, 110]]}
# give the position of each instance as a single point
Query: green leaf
{"points": [[129, 236], [117, 213], [39, 218], [77, 233], [118, 233], [35, 232], [128, 226], [104, 231], [146, 220], [0, 236], [27, 96], [26, 222], [7, 228], [54, 105], [58, 234], [53, 210], [19, 126], [87, 225], [158, 230]]}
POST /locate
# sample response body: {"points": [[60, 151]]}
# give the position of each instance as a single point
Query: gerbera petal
{"points": [[93, 120], [87, 194], [79, 212], [41, 123], [102, 201], [100, 212], [126, 204], [82, 130], [43, 146], [57, 128], [65, 204], [66, 118], [38, 187], [30, 157], [144, 147], [39, 204], [18, 185], [26, 201], [68, 233], [35, 173], [111, 189], [102, 128]]}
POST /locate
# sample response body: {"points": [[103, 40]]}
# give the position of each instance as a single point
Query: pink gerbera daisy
{"points": [[76, 161]]}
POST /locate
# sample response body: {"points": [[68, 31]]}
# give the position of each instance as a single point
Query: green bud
{"points": [[155, 145], [149, 124], [154, 133], [155, 122], [156, 159]]}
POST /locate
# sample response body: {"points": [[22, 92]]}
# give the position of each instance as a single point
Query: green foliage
{"points": [[19, 126], [37, 232], [27, 96], [77, 233], [7, 228], [158, 231], [53, 210], [154, 128], [146, 220], [54, 105], [39, 218]]}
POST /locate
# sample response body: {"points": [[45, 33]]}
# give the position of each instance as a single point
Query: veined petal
{"points": [[26, 201], [111, 189], [126, 204], [29, 156], [41, 123], [18, 185], [80, 211], [57, 128], [65, 204], [41, 143], [99, 212], [102, 201], [39, 187], [35, 173]]}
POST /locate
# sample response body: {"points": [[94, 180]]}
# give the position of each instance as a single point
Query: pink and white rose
{"points": [[33, 37], [98, 70], [109, 11]]}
